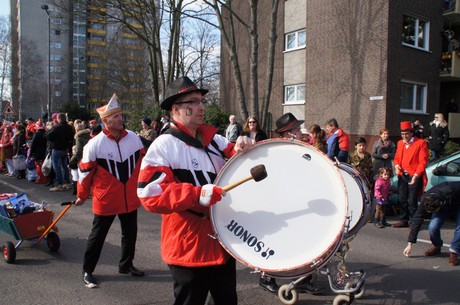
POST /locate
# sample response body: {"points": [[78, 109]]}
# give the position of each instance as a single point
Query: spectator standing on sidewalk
{"points": [[82, 136], [233, 130], [61, 138], [410, 162], [38, 150], [110, 168], [338, 141]]}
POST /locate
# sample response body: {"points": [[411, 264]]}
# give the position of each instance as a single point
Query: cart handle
{"points": [[68, 205]]}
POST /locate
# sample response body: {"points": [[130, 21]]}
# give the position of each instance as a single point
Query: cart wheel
{"points": [[53, 241], [291, 297], [342, 299], [359, 294], [9, 252]]}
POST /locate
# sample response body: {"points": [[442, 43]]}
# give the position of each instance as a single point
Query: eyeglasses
{"points": [[195, 103], [252, 122]]}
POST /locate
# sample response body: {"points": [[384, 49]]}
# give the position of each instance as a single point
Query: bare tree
{"points": [[228, 20]]}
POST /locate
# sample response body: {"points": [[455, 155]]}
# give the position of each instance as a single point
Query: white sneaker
{"points": [[57, 188]]}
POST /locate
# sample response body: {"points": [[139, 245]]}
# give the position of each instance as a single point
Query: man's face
{"points": [[114, 122], [189, 110], [406, 135], [329, 128]]}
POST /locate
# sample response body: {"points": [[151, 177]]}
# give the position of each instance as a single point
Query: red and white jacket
{"points": [[172, 173], [110, 167]]}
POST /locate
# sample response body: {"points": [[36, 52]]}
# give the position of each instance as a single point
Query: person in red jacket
{"points": [[410, 162], [110, 167], [176, 181]]}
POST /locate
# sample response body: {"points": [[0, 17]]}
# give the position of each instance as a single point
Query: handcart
{"points": [[33, 227]]}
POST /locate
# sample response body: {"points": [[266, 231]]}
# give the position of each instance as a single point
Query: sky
{"points": [[4, 7]]}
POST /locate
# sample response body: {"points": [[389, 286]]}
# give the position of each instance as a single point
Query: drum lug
{"points": [[315, 263], [213, 236]]}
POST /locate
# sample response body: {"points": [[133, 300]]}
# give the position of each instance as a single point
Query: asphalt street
{"points": [[41, 277]]}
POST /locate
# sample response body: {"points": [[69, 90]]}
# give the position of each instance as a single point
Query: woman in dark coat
{"points": [[252, 130], [439, 134], [38, 150], [383, 152]]}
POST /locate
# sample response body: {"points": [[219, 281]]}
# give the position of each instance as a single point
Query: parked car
{"points": [[445, 169]]}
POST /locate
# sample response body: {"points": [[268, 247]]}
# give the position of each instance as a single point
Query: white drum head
{"points": [[292, 218]]}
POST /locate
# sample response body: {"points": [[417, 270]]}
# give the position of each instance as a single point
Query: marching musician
{"points": [[176, 181]]}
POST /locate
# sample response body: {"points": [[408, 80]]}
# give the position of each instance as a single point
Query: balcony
{"points": [[451, 11], [450, 66]]}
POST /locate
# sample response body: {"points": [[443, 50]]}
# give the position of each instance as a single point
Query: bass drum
{"points": [[359, 201], [290, 223]]}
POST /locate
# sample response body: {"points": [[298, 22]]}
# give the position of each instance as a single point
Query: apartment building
{"points": [[369, 64], [40, 51], [89, 58]]}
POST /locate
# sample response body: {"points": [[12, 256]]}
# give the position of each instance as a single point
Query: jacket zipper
{"points": [[124, 185]]}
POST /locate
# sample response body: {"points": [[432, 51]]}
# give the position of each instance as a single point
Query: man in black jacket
{"points": [[442, 200], [61, 138]]}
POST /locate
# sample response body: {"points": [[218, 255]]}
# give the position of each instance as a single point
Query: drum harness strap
{"points": [[196, 142]]}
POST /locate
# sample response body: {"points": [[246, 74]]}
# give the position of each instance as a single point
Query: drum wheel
{"points": [[287, 296], [342, 299]]}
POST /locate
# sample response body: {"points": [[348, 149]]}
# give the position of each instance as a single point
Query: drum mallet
{"points": [[258, 173]]}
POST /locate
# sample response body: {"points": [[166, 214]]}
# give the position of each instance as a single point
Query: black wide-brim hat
{"points": [[176, 89], [287, 122]]}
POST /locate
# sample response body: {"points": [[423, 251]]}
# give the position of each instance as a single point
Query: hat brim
{"points": [[283, 129], [168, 102]]}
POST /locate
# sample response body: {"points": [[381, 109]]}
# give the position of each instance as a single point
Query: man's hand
{"points": [[79, 201], [243, 144], [413, 180], [210, 194], [398, 170], [408, 249]]}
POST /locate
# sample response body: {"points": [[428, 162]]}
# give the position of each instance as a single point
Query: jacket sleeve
{"points": [[158, 189], [86, 170], [423, 158]]}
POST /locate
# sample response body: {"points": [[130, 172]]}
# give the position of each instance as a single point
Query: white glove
{"points": [[210, 194]]}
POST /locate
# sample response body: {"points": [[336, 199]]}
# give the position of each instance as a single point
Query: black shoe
{"points": [[89, 280], [132, 270], [385, 224], [50, 183], [379, 225], [269, 284], [309, 288]]}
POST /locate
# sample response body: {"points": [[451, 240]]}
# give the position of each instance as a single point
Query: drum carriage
{"points": [[291, 224]]}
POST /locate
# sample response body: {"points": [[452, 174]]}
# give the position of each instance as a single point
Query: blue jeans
{"points": [[59, 160], [435, 229]]}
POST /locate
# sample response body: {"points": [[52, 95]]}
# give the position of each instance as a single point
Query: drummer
{"points": [[176, 181], [288, 126]]}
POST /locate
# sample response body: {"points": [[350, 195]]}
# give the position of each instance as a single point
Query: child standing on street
{"points": [[361, 159], [382, 195]]}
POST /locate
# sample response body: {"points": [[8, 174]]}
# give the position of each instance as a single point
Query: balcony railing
{"points": [[450, 6], [450, 65]]}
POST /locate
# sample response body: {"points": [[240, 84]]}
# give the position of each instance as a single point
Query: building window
{"points": [[57, 93], [416, 32], [295, 40], [413, 97], [294, 94]]}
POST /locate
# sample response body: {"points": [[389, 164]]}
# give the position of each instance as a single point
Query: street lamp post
{"points": [[46, 8]]}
